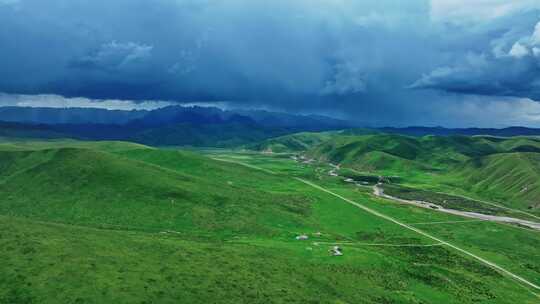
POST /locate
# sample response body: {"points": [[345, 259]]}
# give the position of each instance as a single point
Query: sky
{"points": [[454, 63]]}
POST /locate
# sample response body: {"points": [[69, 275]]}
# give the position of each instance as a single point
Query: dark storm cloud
{"points": [[356, 59], [508, 66], [502, 76], [114, 56]]}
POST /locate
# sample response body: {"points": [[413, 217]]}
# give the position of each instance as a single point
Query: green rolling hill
{"points": [[514, 176], [500, 169], [170, 190], [116, 222], [292, 143], [428, 149], [34, 145]]}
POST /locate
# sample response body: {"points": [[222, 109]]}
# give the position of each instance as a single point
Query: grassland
{"points": [[497, 239], [118, 223], [292, 143], [448, 201], [501, 170]]}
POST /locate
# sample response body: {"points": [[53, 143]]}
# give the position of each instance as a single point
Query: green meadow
{"points": [[116, 222]]}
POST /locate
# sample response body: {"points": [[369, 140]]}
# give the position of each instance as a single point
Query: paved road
{"points": [[388, 218], [380, 244], [243, 164], [494, 266], [378, 191], [478, 200], [493, 204]]}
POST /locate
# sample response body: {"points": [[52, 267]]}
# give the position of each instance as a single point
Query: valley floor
{"points": [[379, 191], [456, 217]]}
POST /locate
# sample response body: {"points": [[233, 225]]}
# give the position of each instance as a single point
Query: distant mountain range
{"points": [[174, 125], [422, 131], [166, 116], [67, 115], [195, 126]]}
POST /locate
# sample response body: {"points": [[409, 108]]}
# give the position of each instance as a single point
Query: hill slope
{"points": [[514, 176], [370, 152], [102, 189], [292, 143], [115, 223], [504, 169]]}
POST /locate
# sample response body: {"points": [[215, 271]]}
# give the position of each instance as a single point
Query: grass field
{"points": [[113, 222], [500, 170], [499, 234]]}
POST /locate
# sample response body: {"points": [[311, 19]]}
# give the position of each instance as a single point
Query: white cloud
{"points": [[482, 111], [428, 80], [508, 68], [535, 38], [477, 10], [519, 112], [472, 65], [57, 101], [116, 55], [518, 50], [9, 2], [527, 45]]}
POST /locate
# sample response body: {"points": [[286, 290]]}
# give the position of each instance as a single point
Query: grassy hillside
{"points": [[115, 223], [491, 240], [371, 152], [427, 148], [514, 176], [292, 143], [97, 188], [32, 144], [51, 263], [502, 169]]}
